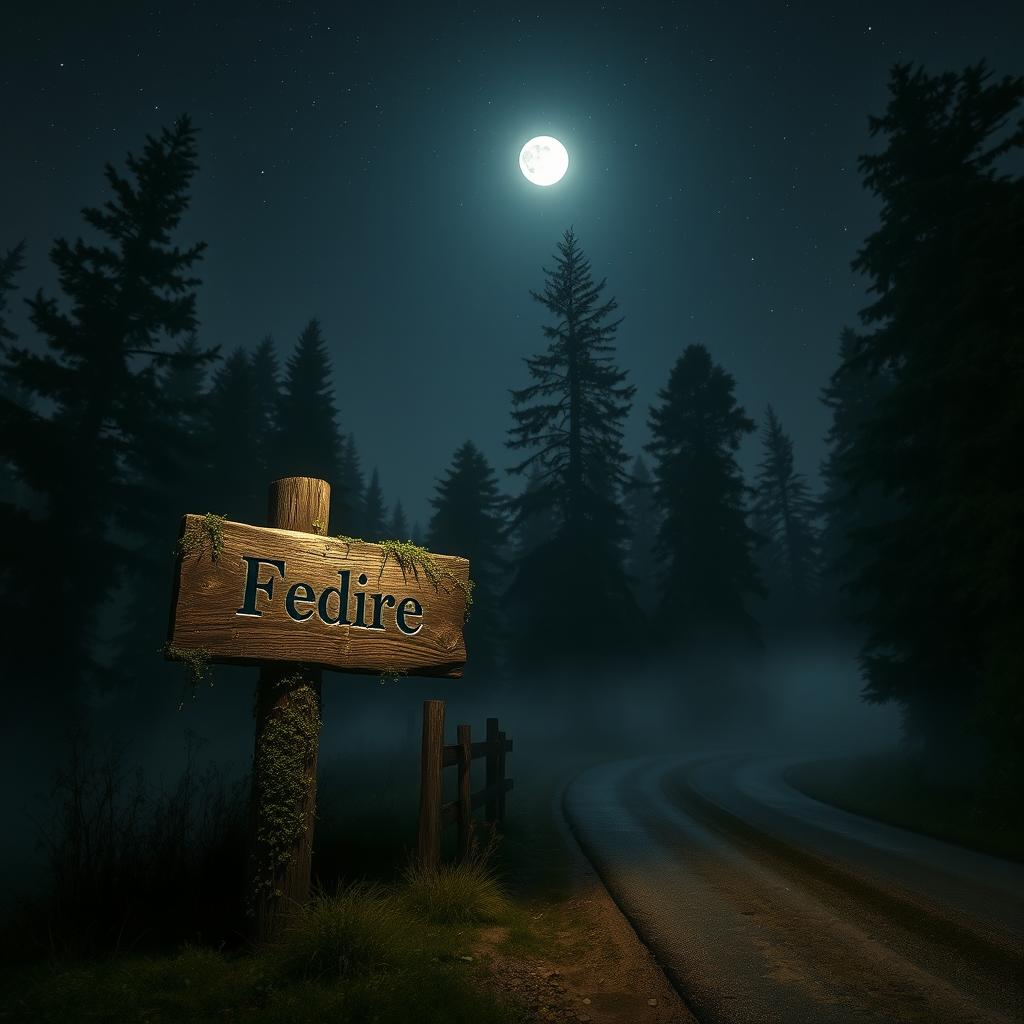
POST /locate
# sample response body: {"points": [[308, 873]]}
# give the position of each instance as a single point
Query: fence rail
{"points": [[436, 756]]}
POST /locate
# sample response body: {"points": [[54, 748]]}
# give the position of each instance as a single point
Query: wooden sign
{"points": [[253, 594]]}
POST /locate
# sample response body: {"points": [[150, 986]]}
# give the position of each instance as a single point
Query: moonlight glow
{"points": [[544, 160]]}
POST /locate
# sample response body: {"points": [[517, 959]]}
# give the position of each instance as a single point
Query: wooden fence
{"points": [[434, 814]]}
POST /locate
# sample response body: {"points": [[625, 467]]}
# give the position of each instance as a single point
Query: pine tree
{"points": [[854, 395], [235, 476], [642, 516], [126, 295], [374, 526], [266, 373], [941, 578], [308, 441], [704, 541], [398, 525], [353, 487], [570, 421], [784, 513], [12, 396], [11, 264], [469, 520], [538, 527]]}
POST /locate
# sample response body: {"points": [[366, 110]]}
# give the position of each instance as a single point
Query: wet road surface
{"points": [[766, 906]]}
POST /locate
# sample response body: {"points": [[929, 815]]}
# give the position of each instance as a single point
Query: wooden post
{"points": [[287, 742], [501, 778], [428, 846], [465, 792], [492, 769]]}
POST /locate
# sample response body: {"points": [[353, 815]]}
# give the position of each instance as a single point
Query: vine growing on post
{"points": [[283, 765]]}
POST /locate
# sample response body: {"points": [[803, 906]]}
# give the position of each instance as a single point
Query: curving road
{"points": [[766, 906]]}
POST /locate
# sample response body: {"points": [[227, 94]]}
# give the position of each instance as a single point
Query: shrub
{"points": [[466, 893], [362, 929]]}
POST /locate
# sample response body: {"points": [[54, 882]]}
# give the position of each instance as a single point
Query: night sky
{"points": [[358, 163]]}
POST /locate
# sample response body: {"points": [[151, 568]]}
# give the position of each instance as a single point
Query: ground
{"points": [[588, 966]]}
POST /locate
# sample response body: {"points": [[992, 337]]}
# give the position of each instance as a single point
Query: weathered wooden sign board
{"points": [[265, 595]]}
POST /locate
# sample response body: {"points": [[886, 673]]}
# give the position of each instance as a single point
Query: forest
{"points": [[592, 563]]}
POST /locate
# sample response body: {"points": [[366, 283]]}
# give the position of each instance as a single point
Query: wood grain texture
{"points": [[208, 595], [428, 840]]}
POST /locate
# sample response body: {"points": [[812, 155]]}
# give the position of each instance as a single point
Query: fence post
{"points": [[492, 769], [428, 846], [501, 778], [465, 791]]}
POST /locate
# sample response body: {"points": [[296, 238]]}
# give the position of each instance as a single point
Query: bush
{"points": [[466, 893], [131, 865], [360, 930]]}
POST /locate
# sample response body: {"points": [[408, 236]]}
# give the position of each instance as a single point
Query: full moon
{"points": [[543, 160]]}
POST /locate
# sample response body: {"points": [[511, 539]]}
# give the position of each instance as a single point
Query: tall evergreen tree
{"points": [[704, 540], [170, 470], [353, 487], [398, 525], [11, 264], [942, 575], [570, 421], [126, 295], [266, 372], [538, 526], [784, 513], [235, 476], [642, 516], [374, 514], [853, 394], [469, 520], [308, 440]]}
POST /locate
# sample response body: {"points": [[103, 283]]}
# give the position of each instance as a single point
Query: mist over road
{"points": [[764, 905]]}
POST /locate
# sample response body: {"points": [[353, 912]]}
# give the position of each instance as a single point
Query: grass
{"points": [[456, 894], [365, 953], [896, 789]]}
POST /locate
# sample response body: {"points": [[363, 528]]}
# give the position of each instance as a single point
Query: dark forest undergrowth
{"points": [[143, 918]]}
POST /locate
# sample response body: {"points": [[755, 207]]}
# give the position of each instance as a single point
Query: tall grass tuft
{"points": [[362, 929], [464, 893]]}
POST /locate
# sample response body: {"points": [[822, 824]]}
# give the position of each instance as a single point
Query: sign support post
{"points": [[287, 742]]}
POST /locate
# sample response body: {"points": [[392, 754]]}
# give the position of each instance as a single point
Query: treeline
{"points": [[594, 554]]}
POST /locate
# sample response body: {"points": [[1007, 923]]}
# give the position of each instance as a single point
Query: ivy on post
{"points": [[284, 762]]}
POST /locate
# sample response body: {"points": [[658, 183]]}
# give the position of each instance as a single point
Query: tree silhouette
{"points": [[941, 577], [469, 520], [308, 441], [374, 514], [537, 527], [784, 514], [235, 476], [398, 525], [853, 394], [266, 374], [11, 264], [126, 296], [704, 540], [570, 421], [353, 487], [642, 518]]}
